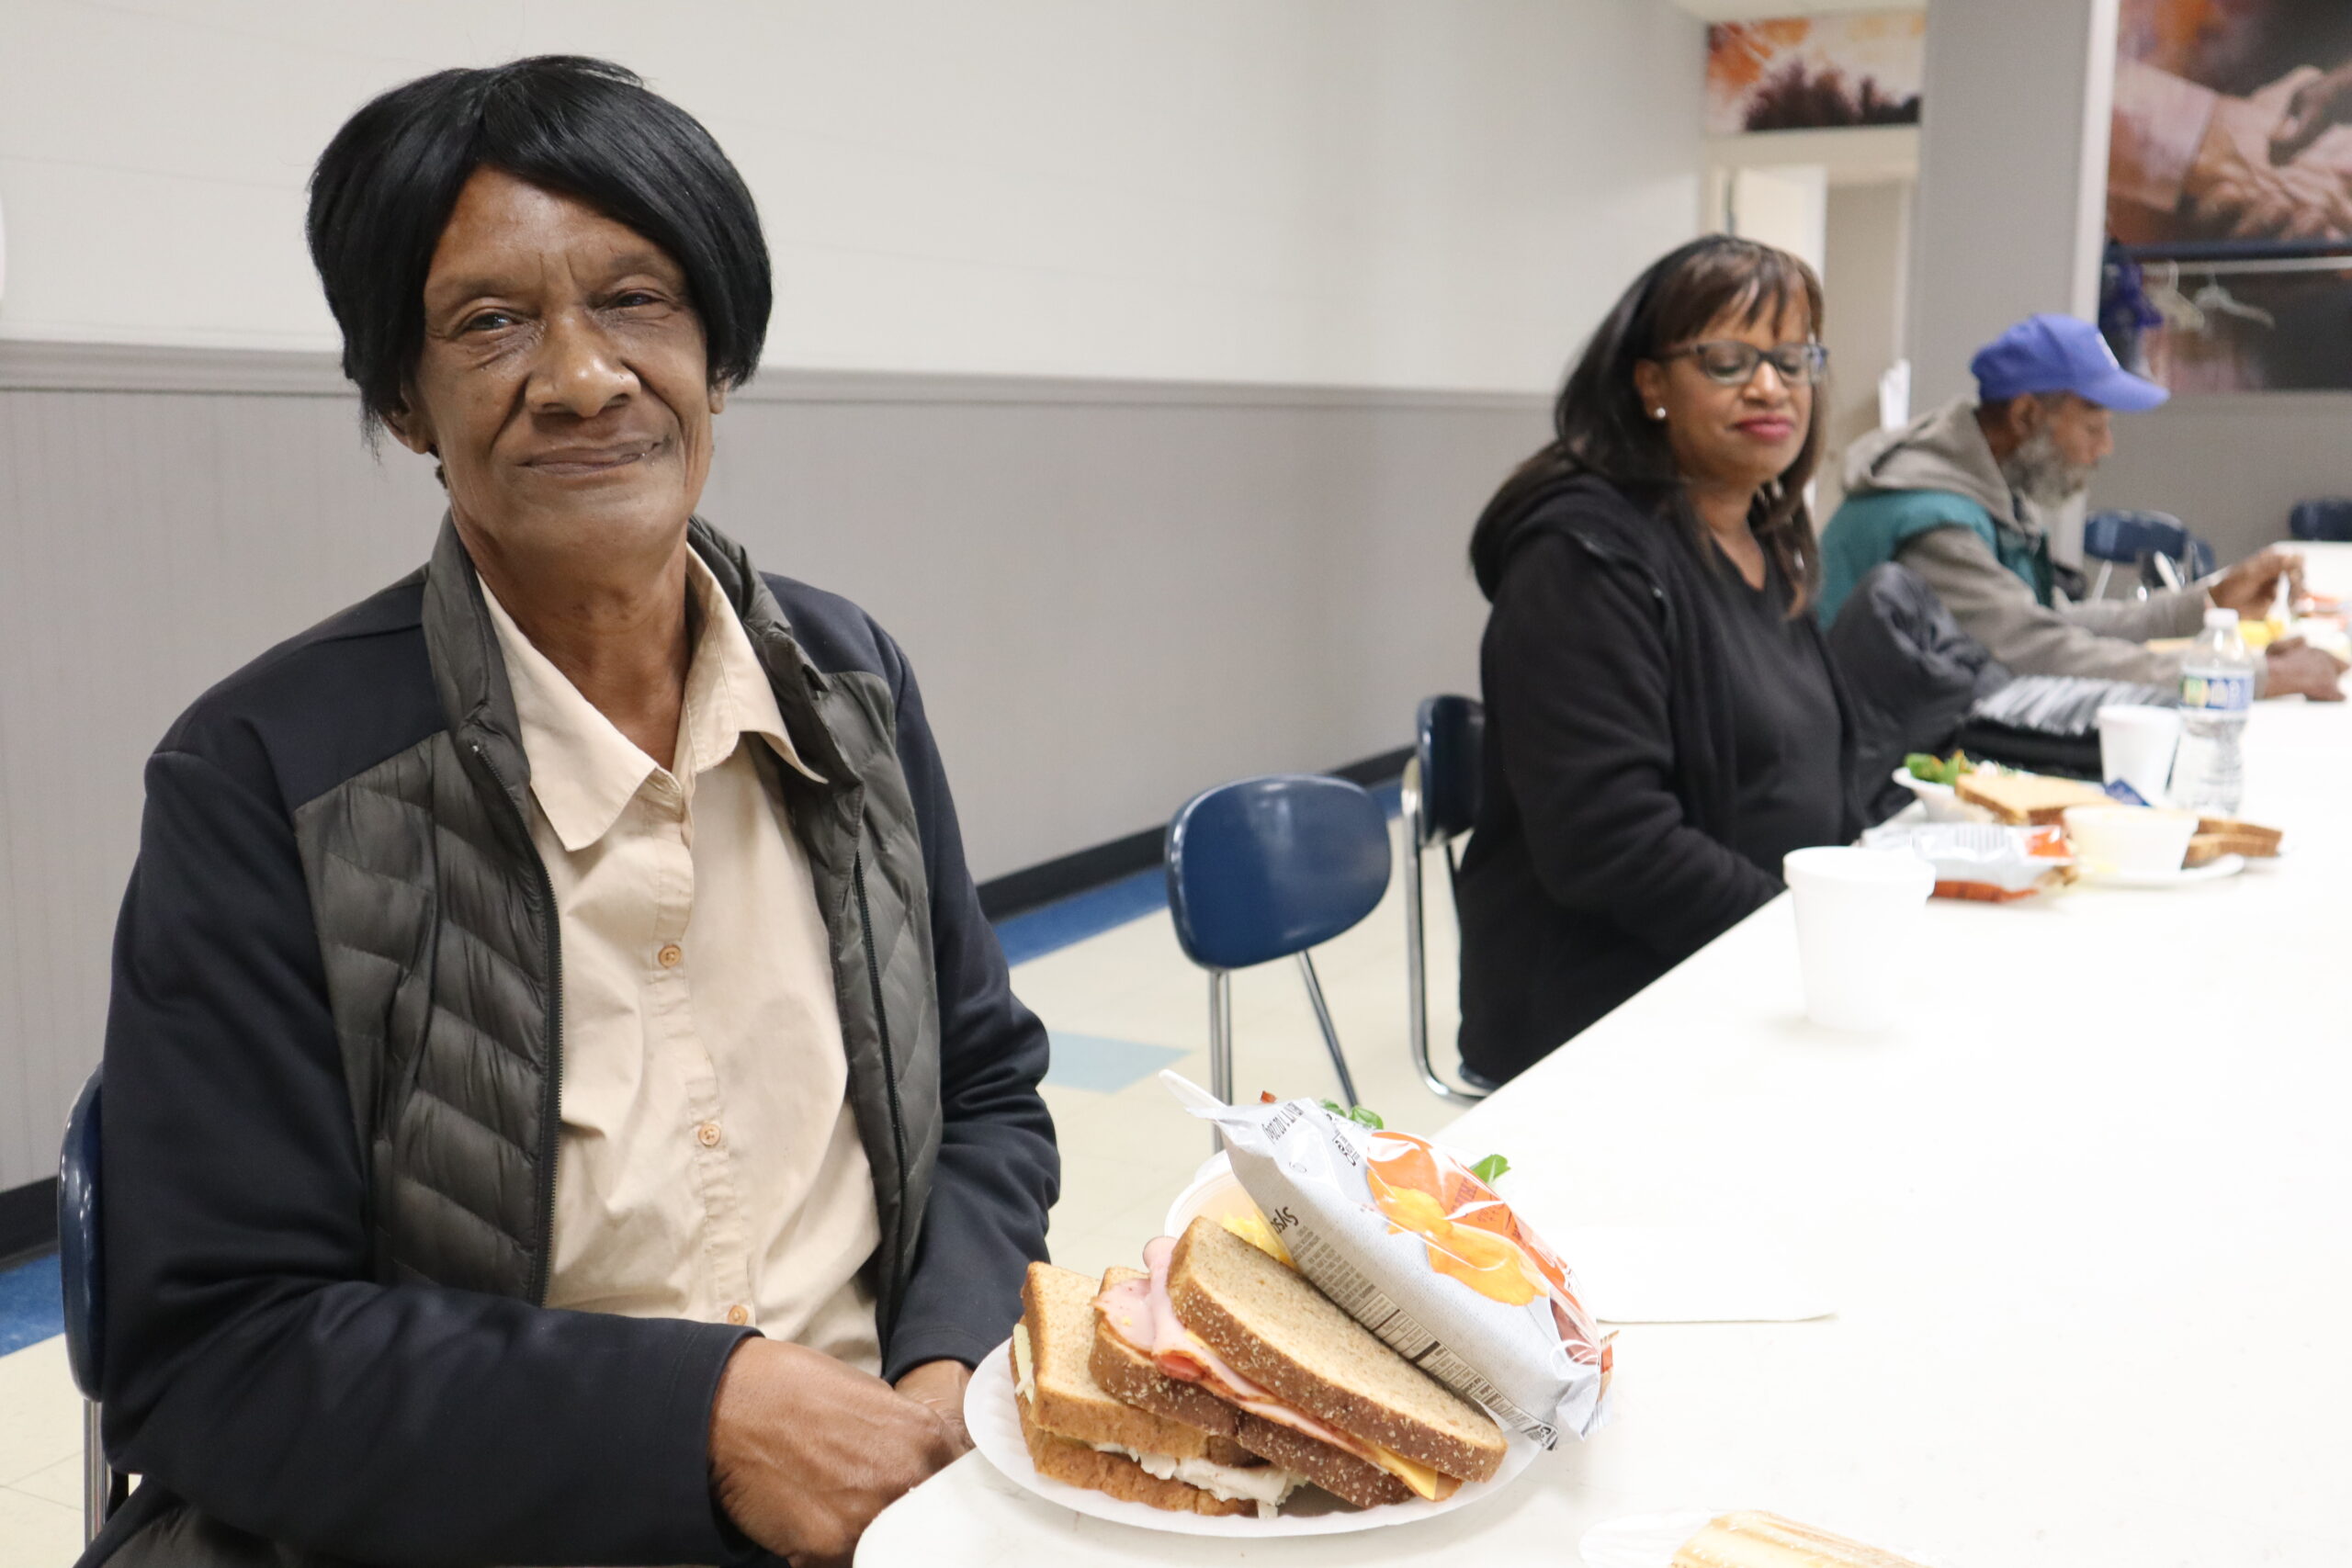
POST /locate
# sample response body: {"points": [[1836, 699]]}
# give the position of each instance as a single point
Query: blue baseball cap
{"points": [[2060, 354]]}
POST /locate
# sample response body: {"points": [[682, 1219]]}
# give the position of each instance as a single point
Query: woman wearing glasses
{"points": [[1662, 721]]}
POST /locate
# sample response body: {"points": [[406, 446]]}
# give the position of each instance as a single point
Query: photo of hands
{"points": [[2229, 186]]}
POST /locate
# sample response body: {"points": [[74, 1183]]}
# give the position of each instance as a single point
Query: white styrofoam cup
{"points": [[1859, 914], [2136, 744]]}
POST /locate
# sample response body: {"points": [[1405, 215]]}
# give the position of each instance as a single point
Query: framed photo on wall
{"points": [[2230, 194]]}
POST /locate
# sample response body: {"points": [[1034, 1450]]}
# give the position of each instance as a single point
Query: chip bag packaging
{"points": [[1408, 1240]]}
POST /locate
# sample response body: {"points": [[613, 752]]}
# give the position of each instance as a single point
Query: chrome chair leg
{"points": [[1416, 974], [1220, 1046], [1330, 1035], [98, 1478], [2105, 570]]}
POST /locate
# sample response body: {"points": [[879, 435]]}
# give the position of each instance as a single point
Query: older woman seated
{"points": [[562, 1102]]}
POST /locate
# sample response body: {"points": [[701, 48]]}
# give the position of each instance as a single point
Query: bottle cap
{"points": [[2218, 618]]}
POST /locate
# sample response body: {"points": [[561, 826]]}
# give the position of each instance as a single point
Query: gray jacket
{"points": [[333, 1080], [1946, 450]]}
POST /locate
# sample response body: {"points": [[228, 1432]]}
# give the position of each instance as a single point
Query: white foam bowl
{"points": [[2130, 841]]}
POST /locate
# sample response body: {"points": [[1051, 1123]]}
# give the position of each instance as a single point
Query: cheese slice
{"points": [[1419, 1477]]}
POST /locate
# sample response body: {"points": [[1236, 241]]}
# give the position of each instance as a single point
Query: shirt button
{"points": [[708, 1135], [670, 954], [739, 1315]]}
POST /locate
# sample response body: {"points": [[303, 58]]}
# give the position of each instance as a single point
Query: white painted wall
{"points": [[1399, 193]]}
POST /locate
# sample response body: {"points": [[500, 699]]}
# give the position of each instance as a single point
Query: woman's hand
{"points": [[939, 1386], [804, 1450]]}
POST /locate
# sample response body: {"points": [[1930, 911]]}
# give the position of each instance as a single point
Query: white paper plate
{"points": [[1650, 1541], [994, 1422], [1643, 1540], [2212, 870], [1942, 802]]}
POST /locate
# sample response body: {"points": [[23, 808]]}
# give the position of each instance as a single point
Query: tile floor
{"points": [[1122, 1003]]}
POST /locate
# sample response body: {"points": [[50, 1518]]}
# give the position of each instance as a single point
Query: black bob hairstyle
{"points": [[585, 129], [1600, 427]]}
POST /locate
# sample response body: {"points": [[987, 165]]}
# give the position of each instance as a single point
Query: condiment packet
{"points": [[1982, 859], [1407, 1239]]}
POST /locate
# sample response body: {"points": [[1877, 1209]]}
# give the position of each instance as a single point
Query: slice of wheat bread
{"points": [[1058, 1314], [1116, 1474], [2249, 839], [1279, 1330], [1127, 1374], [2027, 798]]}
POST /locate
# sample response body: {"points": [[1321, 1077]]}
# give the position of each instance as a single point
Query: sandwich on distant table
{"points": [[1758, 1540], [2022, 799], [2218, 836], [1220, 1336], [1078, 1434]]}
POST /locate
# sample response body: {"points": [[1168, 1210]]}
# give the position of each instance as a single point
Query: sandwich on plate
{"points": [[1221, 1338], [1078, 1434]]}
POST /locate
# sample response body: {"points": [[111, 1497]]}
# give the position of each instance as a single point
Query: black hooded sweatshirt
{"points": [[1601, 855]]}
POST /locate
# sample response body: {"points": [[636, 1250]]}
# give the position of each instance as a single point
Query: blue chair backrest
{"points": [[2125, 537], [78, 1258], [1449, 741], [1265, 868], [2326, 520]]}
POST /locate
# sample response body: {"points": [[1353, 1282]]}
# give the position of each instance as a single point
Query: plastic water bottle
{"points": [[2216, 691]]}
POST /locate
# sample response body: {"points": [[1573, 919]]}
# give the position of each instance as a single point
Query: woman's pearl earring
{"points": [[1658, 414]]}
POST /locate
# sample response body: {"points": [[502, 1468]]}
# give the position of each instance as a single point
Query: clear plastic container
{"points": [[2216, 692]]}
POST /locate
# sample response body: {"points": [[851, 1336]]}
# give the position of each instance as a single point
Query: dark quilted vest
{"points": [[443, 966]]}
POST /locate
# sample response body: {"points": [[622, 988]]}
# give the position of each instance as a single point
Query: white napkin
{"points": [[1687, 1274]]}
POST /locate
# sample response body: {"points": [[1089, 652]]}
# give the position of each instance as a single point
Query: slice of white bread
{"points": [[1279, 1330], [1127, 1374], [1058, 1314], [1117, 1475], [1064, 1413], [2021, 799], [1757, 1539]]}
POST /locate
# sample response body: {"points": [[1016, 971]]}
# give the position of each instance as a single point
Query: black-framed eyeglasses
{"points": [[1730, 363]]}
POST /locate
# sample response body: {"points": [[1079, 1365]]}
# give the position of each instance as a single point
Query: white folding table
{"points": [[2086, 1216]]}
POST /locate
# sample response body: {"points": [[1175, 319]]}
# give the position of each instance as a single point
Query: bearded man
{"points": [[1958, 495]]}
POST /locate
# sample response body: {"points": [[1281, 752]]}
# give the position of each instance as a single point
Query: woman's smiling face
{"points": [[1740, 436], [564, 382]]}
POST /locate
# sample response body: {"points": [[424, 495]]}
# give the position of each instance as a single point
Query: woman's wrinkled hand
{"points": [[804, 1450]]}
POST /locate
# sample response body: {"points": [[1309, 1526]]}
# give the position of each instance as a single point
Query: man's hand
{"points": [[2234, 189], [2317, 105], [940, 1386], [2297, 669], [2251, 587], [805, 1451]]}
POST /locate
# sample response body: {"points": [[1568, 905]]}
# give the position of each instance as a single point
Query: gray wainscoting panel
{"points": [[2231, 466], [1115, 594]]}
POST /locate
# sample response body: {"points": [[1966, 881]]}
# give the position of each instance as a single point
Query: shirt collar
{"points": [[584, 772]]}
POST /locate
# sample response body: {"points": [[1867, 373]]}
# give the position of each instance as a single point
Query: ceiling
{"points": [[1761, 10]]}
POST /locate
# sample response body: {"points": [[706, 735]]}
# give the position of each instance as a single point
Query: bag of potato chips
{"points": [[1409, 1240]]}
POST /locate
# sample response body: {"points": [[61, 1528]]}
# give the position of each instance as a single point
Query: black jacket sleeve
{"points": [[999, 1172], [253, 1365], [1577, 678]]}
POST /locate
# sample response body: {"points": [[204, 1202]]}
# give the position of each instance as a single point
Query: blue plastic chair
{"points": [[1269, 868], [2128, 538], [80, 1264], [2326, 520], [1442, 779]]}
